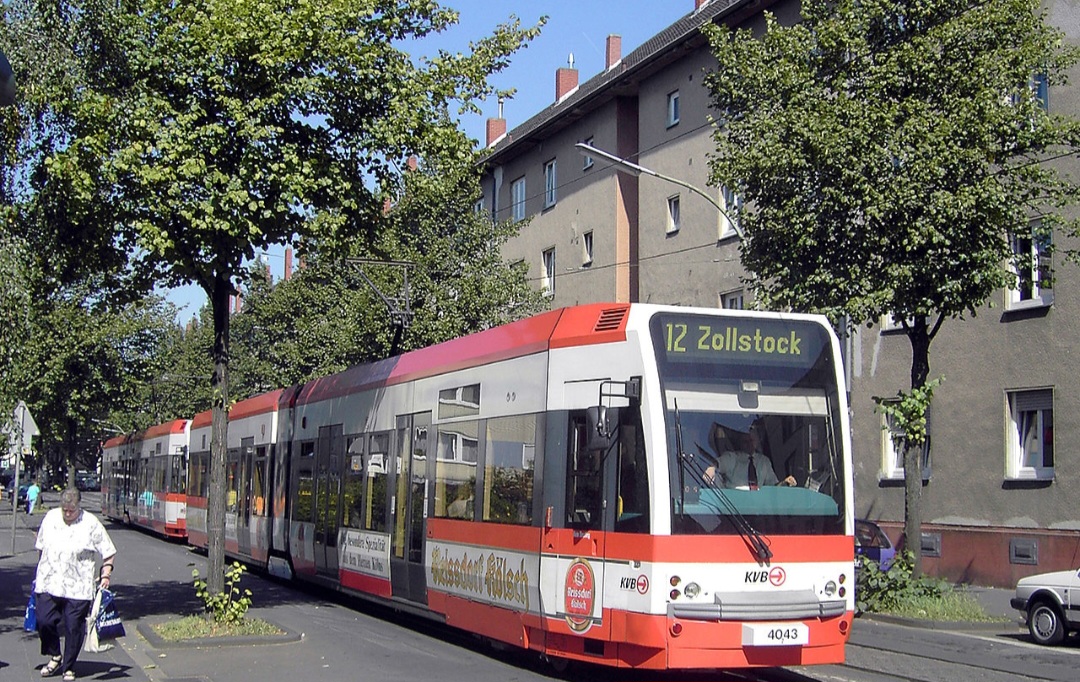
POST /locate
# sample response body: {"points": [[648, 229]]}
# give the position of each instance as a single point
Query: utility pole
{"points": [[27, 429]]}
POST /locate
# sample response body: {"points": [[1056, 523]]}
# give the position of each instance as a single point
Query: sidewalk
{"points": [[325, 638]]}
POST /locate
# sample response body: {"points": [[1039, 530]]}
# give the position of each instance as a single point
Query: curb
{"points": [[1000, 627], [144, 628]]}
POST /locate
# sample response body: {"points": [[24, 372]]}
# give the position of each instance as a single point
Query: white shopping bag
{"points": [[91, 643]]}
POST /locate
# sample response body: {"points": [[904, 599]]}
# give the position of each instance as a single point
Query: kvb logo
{"points": [[775, 576]]}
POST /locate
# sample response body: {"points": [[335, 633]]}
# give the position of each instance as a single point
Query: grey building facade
{"points": [[1002, 471]]}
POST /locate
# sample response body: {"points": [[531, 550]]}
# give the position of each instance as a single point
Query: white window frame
{"points": [[587, 248], [892, 455], [674, 213], [673, 112], [1028, 292], [733, 300], [551, 183], [547, 267], [732, 204], [588, 160], [517, 199], [1029, 412]]}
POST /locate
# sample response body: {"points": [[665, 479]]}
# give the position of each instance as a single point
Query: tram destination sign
{"points": [[706, 339]]}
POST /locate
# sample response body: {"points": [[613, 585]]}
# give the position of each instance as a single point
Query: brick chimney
{"points": [[698, 4], [496, 127], [566, 80], [412, 163], [288, 263], [614, 50]]}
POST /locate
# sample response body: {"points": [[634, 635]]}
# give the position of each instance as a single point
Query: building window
{"points": [[548, 283], [478, 207], [1040, 85], [732, 300], [586, 248], [551, 183], [673, 219], [729, 220], [1030, 446], [1033, 270], [672, 108], [517, 198], [588, 162], [890, 322], [893, 443]]}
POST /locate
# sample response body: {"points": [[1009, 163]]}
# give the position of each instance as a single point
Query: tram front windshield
{"points": [[753, 422]]}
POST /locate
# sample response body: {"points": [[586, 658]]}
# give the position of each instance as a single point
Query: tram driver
{"points": [[744, 465]]}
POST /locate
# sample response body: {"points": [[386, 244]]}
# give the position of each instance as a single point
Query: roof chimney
{"points": [[496, 127], [566, 80], [698, 4], [614, 50], [288, 263]]}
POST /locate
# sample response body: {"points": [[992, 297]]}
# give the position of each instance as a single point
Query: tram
{"points": [[546, 484], [144, 476]]}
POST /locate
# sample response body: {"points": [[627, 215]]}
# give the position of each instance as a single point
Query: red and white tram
{"points": [[144, 478], [543, 484]]}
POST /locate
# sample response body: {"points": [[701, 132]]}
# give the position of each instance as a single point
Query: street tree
{"points": [[84, 362], [896, 158], [223, 127], [334, 313]]}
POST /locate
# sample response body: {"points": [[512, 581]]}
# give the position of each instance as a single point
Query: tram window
{"points": [[375, 486], [232, 482], [258, 487], [198, 481], [584, 497], [353, 508], [632, 514], [455, 470], [509, 447], [305, 489]]}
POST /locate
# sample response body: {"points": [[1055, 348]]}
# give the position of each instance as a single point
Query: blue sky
{"points": [[580, 27]]}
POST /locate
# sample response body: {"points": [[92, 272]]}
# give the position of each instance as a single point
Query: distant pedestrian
{"points": [[69, 541], [32, 494]]}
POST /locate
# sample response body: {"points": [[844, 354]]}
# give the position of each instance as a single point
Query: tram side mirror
{"points": [[601, 425]]}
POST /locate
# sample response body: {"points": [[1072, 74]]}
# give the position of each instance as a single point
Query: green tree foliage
{"points": [[202, 132], [329, 317], [888, 153], [82, 361]]}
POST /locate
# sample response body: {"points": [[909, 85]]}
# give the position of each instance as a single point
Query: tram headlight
{"points": [[692, 590], [675, 580], [830, 588]]}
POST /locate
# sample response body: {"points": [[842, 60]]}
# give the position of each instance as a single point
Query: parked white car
{"points": [[1052, 604]]}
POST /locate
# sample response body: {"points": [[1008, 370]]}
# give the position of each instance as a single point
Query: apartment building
{"points": [[1002, 471]]}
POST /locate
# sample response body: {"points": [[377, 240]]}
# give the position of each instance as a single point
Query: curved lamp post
{"points": [[638, 170]]}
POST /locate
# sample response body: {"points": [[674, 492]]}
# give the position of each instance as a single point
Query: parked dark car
{"points": [[87, 480], [1049, 601], [22, 492], [872, 543]]}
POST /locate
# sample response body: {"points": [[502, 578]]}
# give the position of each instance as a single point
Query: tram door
{"points": [[243, 498], [328, 461], [408, 507]]}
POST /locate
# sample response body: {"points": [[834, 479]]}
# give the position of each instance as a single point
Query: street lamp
{"points": [[586, 149]]}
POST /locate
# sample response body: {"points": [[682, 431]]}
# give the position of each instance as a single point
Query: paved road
{"points": [[346, 640]]}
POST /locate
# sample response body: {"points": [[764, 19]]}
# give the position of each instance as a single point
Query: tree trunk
{"points": [[913, 479], [219, 384]]}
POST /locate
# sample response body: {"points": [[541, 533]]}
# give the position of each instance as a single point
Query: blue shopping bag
{"points": [[109, 625], [30, 619]]}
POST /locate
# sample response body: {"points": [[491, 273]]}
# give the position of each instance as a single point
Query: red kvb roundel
{"points": [[580, 595], [777, 576]]}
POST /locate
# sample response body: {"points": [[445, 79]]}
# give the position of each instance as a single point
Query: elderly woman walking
{"points": [[69, 541]]}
